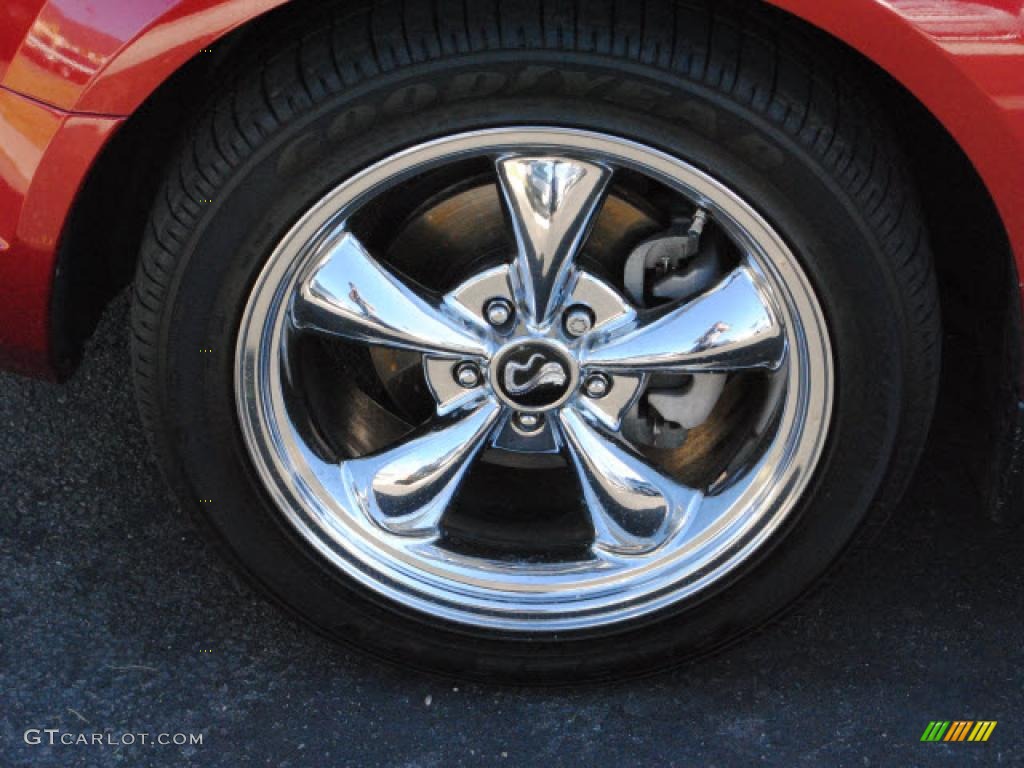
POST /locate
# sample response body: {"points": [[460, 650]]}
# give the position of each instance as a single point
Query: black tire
{"points": [[736, 89]]}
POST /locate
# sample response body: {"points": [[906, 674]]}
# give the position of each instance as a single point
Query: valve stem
{"points": [[700, 218]]}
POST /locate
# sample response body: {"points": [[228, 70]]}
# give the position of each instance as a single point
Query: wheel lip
{"points": [[401, 576]]}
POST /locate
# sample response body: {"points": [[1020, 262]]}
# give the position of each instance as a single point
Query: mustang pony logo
{"points": [[550, 372]]}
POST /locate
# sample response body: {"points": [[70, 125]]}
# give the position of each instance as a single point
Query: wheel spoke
{"points": [[731, 327], [633, 507], [406, 489], [350, 295], [552, 202]]}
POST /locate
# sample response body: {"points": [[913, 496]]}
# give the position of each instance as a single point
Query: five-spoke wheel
{"points": [[545, 353]]}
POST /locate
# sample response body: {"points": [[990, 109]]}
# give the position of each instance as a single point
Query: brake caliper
{"points": [[673, 266]]}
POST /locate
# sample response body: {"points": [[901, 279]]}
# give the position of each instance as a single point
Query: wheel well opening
{"points": [[979, 394], [973, 258]]}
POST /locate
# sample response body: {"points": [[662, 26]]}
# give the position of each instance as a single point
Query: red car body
{"points": [[72, 72]]}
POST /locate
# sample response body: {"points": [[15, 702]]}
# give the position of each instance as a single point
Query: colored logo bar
{"points": [[958, 730]]}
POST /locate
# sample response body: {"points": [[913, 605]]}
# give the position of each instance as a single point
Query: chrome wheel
{"points": [[644, 332]]}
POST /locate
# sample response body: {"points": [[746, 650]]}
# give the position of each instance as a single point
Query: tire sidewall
{"points": [[238, 230]]}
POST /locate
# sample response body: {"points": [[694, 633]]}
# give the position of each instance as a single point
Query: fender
{"points": [[963, 59], [106, 58], [70, 72]]}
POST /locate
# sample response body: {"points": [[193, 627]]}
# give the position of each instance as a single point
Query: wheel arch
{"points": [[903, 62]]}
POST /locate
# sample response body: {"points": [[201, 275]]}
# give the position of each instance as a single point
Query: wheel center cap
{"points": [[534, 375]]}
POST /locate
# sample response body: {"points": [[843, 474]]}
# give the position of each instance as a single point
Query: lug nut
{"points": [[498, 312], [597, 385], [468, 375], [529, 422], [578, 320]]}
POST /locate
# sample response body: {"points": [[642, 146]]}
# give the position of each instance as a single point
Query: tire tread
{"points": [[752, 54]]}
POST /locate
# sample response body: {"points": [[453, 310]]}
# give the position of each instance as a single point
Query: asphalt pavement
{"points": [[115, 618]]}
